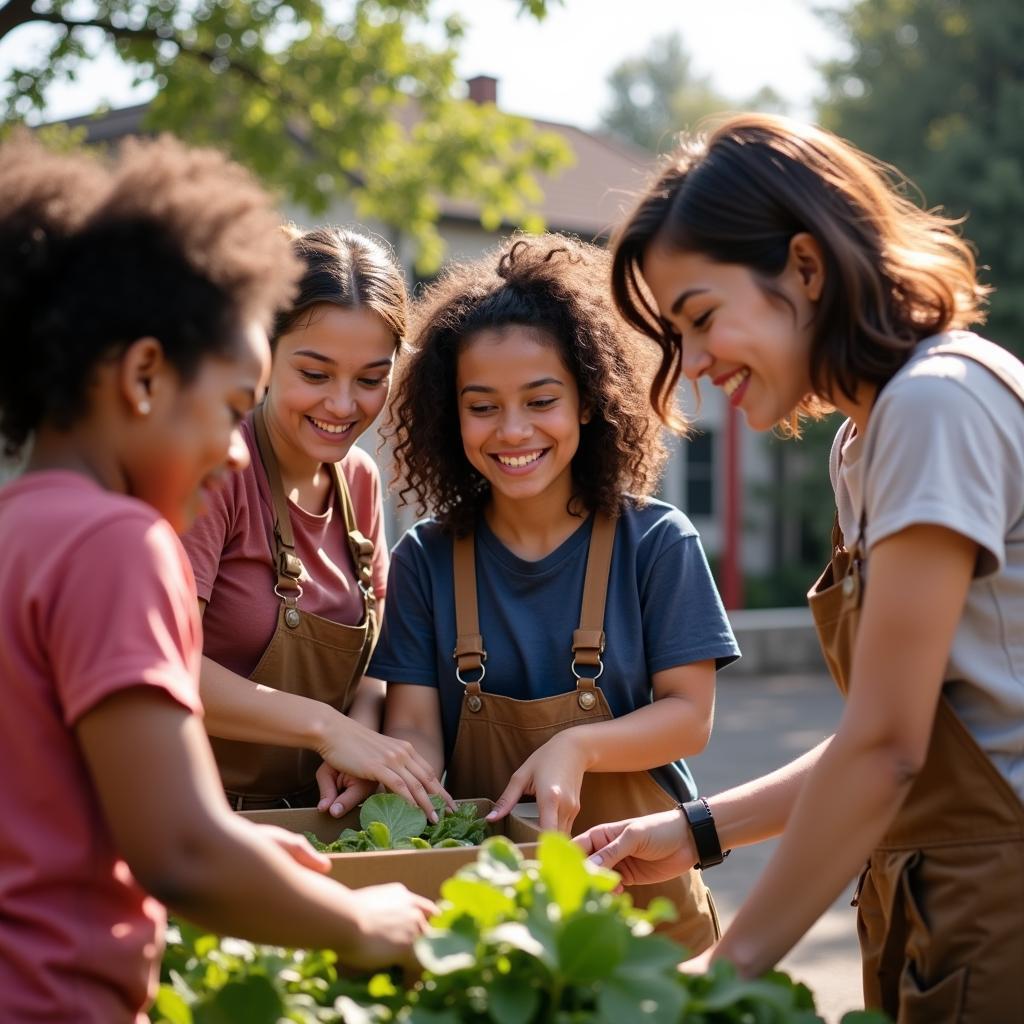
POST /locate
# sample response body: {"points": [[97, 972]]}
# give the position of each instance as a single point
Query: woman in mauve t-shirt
{"points": [[290, 557], [135, 300]]}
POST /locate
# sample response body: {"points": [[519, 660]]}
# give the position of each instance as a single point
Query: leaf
{"points": [[252, 999], [591, 946], [563, 872], [526, 940], [864, 1017], [658, 1000], [403, 820], [511, 1002], [380, 835], [171, 1007], [485, 904], [444, 952]]}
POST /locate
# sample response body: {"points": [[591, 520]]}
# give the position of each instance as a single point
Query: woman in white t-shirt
{"points": [[783, 265]]}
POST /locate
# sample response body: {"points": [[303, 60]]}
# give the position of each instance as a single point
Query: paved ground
{"points": [[760, 723]]}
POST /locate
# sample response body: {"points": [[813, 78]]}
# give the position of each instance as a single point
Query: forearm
{"points": [[239, 709], [228, 862], [368, 707], [841, 812], [759, 809], [670, 728], [428, 746]]}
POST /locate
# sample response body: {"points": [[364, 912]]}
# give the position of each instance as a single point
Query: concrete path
{"points": [[761, 722]]}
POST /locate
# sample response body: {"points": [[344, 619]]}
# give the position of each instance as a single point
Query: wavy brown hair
{"points": [[346, 269], [895, 273], [559, 286]]}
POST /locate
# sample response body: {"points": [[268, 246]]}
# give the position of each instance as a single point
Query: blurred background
{"points": [[444, 126]]}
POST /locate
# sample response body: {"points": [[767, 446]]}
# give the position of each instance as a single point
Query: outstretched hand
{"points": [[359, 756], [554, 775], [645, 850]]}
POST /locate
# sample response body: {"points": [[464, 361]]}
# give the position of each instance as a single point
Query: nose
{"points": [[238, 452], [340, 402], [696, 360], [514, 427]]}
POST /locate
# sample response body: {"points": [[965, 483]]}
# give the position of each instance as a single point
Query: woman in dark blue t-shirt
{"points": [[585, 625]]}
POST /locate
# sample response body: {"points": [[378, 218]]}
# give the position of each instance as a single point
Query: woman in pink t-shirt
{"points": [[134, 300], [290, 557]]}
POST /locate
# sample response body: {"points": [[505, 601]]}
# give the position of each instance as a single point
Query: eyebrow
{"points": [[526, 387], [685, 297], [320, 357]]}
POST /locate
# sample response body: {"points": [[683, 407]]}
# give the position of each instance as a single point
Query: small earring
{"points": [[143, 408]]}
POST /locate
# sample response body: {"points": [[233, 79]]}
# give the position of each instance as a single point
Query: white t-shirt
{"points": [[945, 447]]}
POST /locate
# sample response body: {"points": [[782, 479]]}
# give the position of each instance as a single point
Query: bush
{"points": [[515, 942]]}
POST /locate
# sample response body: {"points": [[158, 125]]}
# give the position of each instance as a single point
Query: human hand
{"points": [[699, 964], [356, 752], [652, 848], [554, 774], [340, 792], [388, 919], [297, 847]]}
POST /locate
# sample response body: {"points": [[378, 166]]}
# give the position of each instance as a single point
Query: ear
{"points": [[807, 264], [143, 367], [586, 415]]}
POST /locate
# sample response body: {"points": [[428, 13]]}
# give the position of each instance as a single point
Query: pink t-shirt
{"points": [[96, 596], [232, 557]]}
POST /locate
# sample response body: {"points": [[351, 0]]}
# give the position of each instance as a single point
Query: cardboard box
{"points": [[422, 871]]}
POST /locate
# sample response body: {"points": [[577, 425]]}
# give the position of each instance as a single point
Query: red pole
{"points": [[732, 573]]}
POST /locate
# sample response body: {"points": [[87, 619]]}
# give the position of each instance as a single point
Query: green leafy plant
{"points": [[515, 942], [389, 823]]}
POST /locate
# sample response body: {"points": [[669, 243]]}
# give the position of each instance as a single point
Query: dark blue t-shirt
{"points": [[662, 610]]}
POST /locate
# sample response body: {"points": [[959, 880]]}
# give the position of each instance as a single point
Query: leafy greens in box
{"points": [[515, 942], [389, 823]]}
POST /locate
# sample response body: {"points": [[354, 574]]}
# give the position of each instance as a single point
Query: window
{"points": [[699, 450]]}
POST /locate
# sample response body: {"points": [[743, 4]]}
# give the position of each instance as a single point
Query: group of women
{"points": [[551, 630]]}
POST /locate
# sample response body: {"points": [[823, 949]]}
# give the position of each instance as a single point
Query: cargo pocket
{"points": [[927, 994], [941, 1003]]}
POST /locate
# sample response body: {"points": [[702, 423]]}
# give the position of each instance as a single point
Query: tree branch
{"points": [[19, 12]]}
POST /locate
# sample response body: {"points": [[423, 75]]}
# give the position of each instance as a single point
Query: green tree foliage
{"points": [[936, 87], [318, 97], [657, 95]]}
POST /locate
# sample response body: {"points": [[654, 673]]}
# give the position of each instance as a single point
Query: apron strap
{"points": [[359, 544], [588, 640], [469, 653], [286, 561]]}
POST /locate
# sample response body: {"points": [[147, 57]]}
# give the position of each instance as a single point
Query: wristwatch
{"points": [[705, 835]]}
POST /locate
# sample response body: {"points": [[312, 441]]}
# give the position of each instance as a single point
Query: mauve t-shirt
{"points": [[96, 597], [230, 545]]}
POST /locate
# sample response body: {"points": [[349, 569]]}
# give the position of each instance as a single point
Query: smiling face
{"points": [[519, 414], [329, 381], [190, 439], [752, 344]]}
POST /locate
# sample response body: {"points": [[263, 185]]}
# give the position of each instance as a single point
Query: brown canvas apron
{"points": [[497, 734], [940, 905], [307, 655]]}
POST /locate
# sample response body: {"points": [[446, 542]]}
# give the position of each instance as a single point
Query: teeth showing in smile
{"points": [[519, 460], [331, 428], [729, 386]]}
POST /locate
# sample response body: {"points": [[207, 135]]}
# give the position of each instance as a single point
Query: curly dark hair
{"points": [[895, 273], [165, 241], [556, 284], [346, 269]]}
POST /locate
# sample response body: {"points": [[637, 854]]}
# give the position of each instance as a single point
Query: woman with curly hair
{"points": [[790, 270], [585, 625], [134, 300]]}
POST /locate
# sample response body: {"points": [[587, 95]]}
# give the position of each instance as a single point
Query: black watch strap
{"points": [[705, 834]]}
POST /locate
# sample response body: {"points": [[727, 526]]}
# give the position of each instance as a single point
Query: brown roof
{"points": [[586, 198]]}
